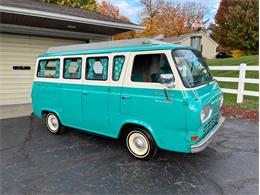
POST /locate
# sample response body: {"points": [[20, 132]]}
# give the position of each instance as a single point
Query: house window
{"points": [[72, 68], [149, 67], [49, 68], [97, 68], [118, 63]]}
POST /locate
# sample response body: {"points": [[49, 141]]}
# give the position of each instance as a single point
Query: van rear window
{"points": [[49, 68]]}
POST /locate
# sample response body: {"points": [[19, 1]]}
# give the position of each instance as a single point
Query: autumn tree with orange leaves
{"points": [[170, 19], [159, 17], [109, 9]]}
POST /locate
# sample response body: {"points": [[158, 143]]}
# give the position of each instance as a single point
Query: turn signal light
{"points": [[194, 138]]}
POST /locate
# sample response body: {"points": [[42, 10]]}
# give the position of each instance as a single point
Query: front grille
{"points": [[210, 124]]}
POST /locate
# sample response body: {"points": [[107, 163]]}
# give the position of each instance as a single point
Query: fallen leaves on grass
{"points": [[237, 112]]}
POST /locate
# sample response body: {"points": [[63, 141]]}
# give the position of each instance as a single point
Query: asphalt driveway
{"points": [[34, 161]]}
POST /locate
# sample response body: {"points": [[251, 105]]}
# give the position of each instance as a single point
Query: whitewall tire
{"points": [[53, 124], [140, 144]]}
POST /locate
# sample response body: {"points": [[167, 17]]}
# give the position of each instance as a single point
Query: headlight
{"points": [[221, 101], [205, 113]]}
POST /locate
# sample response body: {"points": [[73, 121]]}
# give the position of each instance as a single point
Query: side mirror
{"points": [[167, 79]]}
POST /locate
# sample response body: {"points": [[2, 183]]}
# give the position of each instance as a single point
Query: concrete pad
{"points": [[13, 111]]}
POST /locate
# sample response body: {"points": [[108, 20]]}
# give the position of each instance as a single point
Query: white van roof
{"points": [[106, 44]]}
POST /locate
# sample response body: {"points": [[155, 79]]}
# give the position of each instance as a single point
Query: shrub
{"points": [[237, 53]]}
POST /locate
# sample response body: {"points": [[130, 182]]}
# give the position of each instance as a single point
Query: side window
{"points": [[49, 68], [97, 68], [149, 67], [118, 64], [72, 68]]}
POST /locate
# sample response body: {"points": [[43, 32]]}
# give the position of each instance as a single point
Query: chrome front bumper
{"points": [[198, 147]]}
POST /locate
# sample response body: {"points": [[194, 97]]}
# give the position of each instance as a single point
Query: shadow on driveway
{"points": [[35, 161]]}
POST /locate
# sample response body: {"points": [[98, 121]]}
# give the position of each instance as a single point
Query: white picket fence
{"points": [[240, 91]]}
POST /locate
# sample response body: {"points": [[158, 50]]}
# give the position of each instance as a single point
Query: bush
{"points": [[237, 53]]}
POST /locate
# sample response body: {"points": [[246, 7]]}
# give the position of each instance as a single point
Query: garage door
{"points": [[21, 50]]}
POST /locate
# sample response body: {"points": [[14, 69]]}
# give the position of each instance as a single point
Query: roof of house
{"points": [[42, 9], [182, 37], [177, 38]]}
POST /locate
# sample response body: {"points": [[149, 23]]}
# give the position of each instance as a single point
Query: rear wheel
{"points": [[140, 144], [53, 124]]}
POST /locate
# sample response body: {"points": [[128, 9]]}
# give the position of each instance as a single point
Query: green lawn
{"points": [[230, 99]]}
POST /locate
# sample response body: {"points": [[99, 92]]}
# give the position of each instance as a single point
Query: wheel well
{"points": [[45, 112], [128, 126]]}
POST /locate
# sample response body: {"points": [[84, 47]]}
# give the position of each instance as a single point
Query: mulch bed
{"points": [[237, 112]]}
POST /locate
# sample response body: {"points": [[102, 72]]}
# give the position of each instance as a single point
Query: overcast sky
{"points": [[132, 8]]}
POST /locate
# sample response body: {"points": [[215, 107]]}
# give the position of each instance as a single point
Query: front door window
{"points": [[149, 67]]}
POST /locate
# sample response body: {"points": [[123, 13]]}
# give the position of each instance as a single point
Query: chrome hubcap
{"points": [[53, 123], [138, 144]]}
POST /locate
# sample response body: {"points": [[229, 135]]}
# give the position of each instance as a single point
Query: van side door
{"points": [[147, 101], [95, 92], [71, 87]]}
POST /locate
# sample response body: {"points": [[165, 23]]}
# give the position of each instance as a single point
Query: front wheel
{"points": [[140, 144], [53, 124]]}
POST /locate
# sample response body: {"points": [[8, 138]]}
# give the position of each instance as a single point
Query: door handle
{"points": [[84, 92], [125, 97]]}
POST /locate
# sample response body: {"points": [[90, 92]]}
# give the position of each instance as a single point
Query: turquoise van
{"points": [[149, 94]]}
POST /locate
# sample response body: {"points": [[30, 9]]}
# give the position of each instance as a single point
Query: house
{"points": [[208, 45], [28, 28]]}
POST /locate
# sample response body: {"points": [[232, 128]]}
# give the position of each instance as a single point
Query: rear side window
{"points": [[149, 67], [97, 68], [118, 64], [49, 68], [72, 68]]}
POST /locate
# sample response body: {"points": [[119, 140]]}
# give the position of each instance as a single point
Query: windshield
{"points": [[191, 67]]}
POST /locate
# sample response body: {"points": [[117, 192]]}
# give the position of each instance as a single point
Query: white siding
{"points": [[209, 47], [21, 50]]}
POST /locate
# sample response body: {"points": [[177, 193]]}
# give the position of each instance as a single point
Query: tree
{"points": [[236, 25], [108, 9], [84, 4], [151, 9], [170, 19], [219, 29], [192, 12], [126, 35]]}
